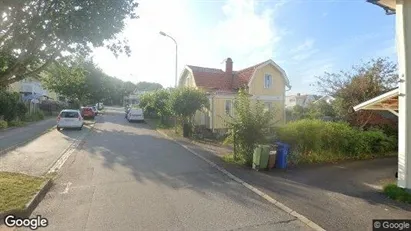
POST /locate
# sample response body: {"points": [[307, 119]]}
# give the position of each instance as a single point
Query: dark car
{"points": [[87, 112]]}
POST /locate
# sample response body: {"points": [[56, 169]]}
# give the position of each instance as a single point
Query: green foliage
{"points": [[36, 116], [10, 105], [229, 158], [147, 86], [185, 102], [318, 110], [38, 32], [319, 141], [158, 103], [250, 125], [396, 193], [16, 123], [364, 82], [67, 79], [3, 124]]}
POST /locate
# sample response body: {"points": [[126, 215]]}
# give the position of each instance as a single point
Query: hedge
{"points": [[322, 141]]}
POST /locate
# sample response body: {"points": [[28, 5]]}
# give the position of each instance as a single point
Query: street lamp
{"points": [[164, 34]]}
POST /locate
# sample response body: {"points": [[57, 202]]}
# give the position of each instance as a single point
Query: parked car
{"points": [[99, 106], [135, 114], [87, 112], [70, 119], [94, 109]]}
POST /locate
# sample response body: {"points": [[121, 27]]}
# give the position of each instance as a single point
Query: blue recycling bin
{"points": [[282, 153]]}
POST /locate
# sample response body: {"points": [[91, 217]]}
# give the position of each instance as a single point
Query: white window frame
{"points": [[270, 83]]}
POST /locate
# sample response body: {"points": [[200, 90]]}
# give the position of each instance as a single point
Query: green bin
{"points": [[260, 157], [257, 157], [265, 153]]}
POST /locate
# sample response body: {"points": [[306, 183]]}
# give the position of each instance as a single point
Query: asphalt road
{"points": [[14, 136], [128, 177]]}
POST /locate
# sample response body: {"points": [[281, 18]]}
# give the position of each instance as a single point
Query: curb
{"points": [[67, 152], [278, 204], [14, 146], [31, 205]]}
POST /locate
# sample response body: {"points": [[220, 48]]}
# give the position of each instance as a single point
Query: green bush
{"points": [[3, 124], [396, 193], [36, 116], [320, 141], [16, 123]]}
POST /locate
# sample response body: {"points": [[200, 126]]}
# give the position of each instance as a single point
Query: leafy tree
{"points": [[157, 102], [147, 86], [364, 82], [67, 79], [34, 33], [185, 102], [250, 125]]}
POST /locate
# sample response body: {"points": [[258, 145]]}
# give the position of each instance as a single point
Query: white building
{"points": [[301, 100]]}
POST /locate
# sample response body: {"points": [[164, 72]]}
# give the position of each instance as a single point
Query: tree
{"points": [[185, 102], [157, 102], [147, 86], [249, 125], [364, 82], [67, 79], [34, 33]]}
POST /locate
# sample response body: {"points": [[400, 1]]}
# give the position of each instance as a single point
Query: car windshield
{"points": [[69, 114]]}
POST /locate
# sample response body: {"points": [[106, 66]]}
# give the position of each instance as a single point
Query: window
{"points": [[228, 107], [268, 81]]}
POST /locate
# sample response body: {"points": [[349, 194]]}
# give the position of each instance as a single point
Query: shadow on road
{"points": [[150, 157]]}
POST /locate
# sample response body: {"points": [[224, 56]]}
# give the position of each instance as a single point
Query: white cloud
{"points": [[246, 33], [304, 50]]}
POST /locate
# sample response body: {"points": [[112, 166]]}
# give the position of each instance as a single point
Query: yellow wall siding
{"points": [[278, 83], [188, 80], [220, 117]]}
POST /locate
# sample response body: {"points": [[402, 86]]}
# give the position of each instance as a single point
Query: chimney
{"points": [[229, 66]]}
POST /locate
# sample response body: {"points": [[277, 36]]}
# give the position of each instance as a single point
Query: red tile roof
{"points": [[216, 79]]}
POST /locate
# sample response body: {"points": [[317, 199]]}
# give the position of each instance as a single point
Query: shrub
{"points": [[249, 125], [320, 141], [16, 123], [36, 116], [3, 124], [396, 193]]}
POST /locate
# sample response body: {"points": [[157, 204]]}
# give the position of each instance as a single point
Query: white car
{"points": [[135, 114], [70, 119]]}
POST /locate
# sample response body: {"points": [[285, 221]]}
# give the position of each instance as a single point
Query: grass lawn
{"points": [[17, 189]]}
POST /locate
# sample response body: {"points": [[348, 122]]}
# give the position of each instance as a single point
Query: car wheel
{"points": [[58, 128]]}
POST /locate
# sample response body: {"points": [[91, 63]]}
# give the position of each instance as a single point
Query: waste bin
{"points": [[271, 159], [282, 153], [257, 157], [265, 152], [260, 157]]}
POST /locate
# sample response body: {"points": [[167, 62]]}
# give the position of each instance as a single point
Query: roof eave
{"points": [[376, 100], [388, 10]]}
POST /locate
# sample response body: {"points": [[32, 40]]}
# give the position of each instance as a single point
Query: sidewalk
{"points": [[14, 136], [336, 197], [38, 156]]}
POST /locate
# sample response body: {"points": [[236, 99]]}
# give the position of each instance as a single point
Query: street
{"points": [[126, 176]]}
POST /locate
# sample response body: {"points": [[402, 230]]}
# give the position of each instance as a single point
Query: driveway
{"points": [[128, 177], [342, 197]]}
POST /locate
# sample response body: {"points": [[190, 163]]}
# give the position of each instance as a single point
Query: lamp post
{"points": [[175, 42]]}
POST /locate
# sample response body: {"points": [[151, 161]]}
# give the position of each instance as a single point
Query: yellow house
{"points": [[265, 82]]}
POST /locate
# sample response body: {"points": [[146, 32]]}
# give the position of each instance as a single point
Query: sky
{"points": [[305, 37]]}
